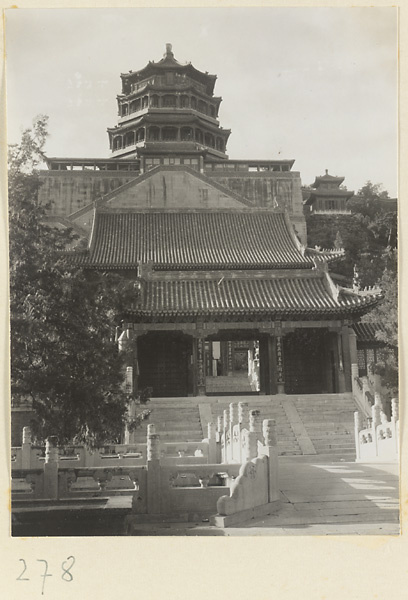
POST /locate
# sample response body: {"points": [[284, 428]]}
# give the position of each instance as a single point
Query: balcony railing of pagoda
{"points": [[232, 165], [378, 441], [330, 211]]}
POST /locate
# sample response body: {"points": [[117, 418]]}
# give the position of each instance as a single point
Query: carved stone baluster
{"points": [[358, 426], [269, 432], [224, 437], [376, 415], [233, 420], [395, 422], [271, 451], [51, 469], [225, 420], [243, 414], [254, 421], [154, 491], [26, 449], [254, 433], [233, 413], [153, 447], [394, 409]]}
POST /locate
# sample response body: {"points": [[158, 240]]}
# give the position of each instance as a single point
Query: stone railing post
{"points": [[233, 414], [219, 426], [243, 420], [255, 422], [224, 440], [212, 444], [218, 437], [394, 409], [376, 420], [376, 411], [26, 449], [233, 420], [51, 469], [357, 428], [395, 422], [254, 433], [243, 414], [354, 376], [271, 450], [153, 471], [377, 400], [366, 387]]}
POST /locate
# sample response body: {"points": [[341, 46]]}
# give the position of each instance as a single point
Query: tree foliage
{"points": [[366, 235], [63, 357], [386, 314], [369, 238]]}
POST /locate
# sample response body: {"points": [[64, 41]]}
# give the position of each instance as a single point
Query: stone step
{"points": [[180, 436], [348, 443], [163, 427]]}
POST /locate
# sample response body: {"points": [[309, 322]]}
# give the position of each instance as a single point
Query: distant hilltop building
{"points": [[225, 286], [326, 197]]}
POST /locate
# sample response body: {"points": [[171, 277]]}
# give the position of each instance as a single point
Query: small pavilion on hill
{"points": [[224, 284], [327, 197]]}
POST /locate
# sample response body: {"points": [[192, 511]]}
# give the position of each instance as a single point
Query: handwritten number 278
{"points": [[65, 576]]}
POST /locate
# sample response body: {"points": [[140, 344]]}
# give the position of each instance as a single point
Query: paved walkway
{"points": [[320, 496]]}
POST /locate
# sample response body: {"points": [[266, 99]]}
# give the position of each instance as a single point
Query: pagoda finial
{"points": [[169, 50], [327, 171]]}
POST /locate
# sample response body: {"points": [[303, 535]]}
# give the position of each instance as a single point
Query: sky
{"points": [[318, 85]]}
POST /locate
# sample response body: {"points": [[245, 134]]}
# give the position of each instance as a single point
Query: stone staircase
{"points": [[228, 385], [270, 407], [329, 422], [175, 419]]}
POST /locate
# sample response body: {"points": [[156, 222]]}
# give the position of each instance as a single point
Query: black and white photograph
{"points": [[203, 279]]}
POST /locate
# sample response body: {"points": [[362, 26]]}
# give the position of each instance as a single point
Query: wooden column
{"points": [[331, 366], [268, 362], [340, 362], [348, 337]]}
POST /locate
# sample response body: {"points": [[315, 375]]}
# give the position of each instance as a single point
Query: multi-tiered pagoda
{"points": [[168, 106], [216, 247]]}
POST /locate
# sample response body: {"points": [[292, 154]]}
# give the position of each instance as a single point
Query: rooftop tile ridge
{"points": [[292, 234], [327, 254], [149, 271]]}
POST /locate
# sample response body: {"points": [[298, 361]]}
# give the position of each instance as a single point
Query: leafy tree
{"points": [[386, 315], [62, 354]]}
